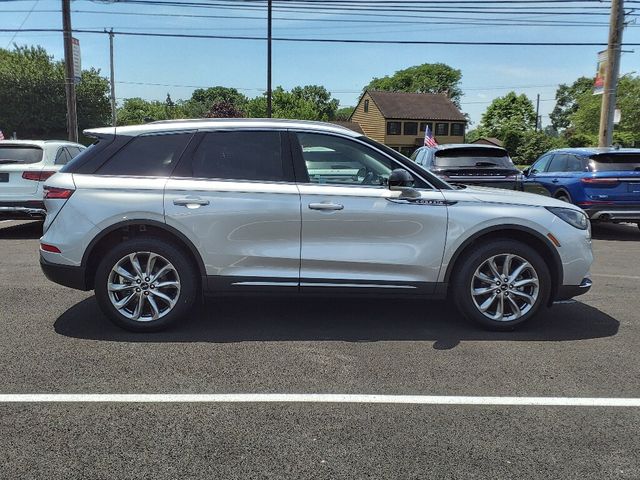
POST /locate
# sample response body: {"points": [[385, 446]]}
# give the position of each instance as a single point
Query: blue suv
{"points": [[604, 182]]}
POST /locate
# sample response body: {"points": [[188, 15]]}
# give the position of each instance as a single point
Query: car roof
{"points": [[38, 143], [165, 126], [588, 151]]}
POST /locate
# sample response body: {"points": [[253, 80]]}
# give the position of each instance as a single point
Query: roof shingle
{"points": [[416, 106]]}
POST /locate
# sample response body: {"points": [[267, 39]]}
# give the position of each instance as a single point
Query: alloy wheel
{"points": [[505, 287], [143, 286]]}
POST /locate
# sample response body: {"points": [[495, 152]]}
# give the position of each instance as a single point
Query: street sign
{"points": [[617, 116], [77, 66]]}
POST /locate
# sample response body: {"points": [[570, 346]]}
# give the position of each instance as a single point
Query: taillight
{"points": [[49, 248], [37, 176], [54, 192], [600, 181]]}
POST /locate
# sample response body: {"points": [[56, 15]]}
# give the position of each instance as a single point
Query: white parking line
{"points": [[319, 398], [626, 277]]}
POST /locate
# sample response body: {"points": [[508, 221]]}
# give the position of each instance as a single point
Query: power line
{"points": [[23, 22], [329, 40]]}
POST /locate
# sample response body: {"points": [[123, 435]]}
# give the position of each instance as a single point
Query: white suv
{"points": [[24, 166], [150, 216]]}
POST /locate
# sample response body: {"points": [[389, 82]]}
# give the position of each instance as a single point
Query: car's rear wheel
{"points": [[145, 284], [564, 197], [501, 284]]}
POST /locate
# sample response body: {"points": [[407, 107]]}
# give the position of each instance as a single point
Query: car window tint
{"points": [[247, 155], [334, 160], [558, 164], [19, 154], [620, 162], [62, 157], [148, 156], [541, 165], [73, 152], [575, 164]]}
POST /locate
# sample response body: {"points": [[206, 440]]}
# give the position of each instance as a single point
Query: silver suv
{"points": [[151, 216]]}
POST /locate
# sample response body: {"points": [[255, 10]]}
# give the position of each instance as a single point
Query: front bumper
{"points": [[565, 292], [66, 275]]}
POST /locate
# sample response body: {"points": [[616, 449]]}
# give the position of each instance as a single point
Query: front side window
{"points": [[457, 129], [541, 164], [147, 156], [239, 155], [393, 128], [558, 164], [410, 128], [442, 129], [335, 160]]}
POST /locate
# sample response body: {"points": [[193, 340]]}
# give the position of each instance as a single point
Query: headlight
{"points": [[575, 218]]}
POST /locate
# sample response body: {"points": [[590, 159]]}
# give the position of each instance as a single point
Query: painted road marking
{"points": [[626, 277], [318, 398]]}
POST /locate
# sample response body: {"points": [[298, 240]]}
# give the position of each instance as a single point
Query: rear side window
{"points": [[147, 156], [19, 154], [62, 157], [244, 155], [626, 162]]}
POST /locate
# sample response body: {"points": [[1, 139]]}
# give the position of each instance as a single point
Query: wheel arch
{"points": [[519, 233], [131, 229]]}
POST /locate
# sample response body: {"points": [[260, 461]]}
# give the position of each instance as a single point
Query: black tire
{"points": [[463, 282], [564, 196], [187, 278]]}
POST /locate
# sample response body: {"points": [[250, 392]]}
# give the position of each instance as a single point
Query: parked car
{"points": [[152, 215], [471, 164], [604, 182], [24, 166]]}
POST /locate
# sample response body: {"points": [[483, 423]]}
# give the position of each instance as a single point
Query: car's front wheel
{"points": [[145, 284], [501, 284]]}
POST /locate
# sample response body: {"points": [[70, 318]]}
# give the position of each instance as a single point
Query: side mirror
{"points": [[526, 171], [401, 180]]}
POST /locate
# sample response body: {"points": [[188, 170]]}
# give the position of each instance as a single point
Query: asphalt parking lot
{"points": [[55, 340]]}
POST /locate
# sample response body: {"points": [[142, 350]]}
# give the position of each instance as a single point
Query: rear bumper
{"points": [[565, 292], [505, 184], [614, 213], [66, 275], [22, 210]]}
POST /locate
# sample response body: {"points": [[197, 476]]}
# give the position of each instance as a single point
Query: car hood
{"points": [[498, 195]]}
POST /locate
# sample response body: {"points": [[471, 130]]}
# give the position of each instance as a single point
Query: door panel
{"points": [[374, 238], [241, 228]]}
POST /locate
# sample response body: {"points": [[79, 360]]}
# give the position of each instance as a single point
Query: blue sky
{"points": [[180, 65]]}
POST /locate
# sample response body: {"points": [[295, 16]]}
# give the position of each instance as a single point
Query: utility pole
{"points": [[69, 81], [269, 19], [112, 80], [537, 111], [614, 48]]}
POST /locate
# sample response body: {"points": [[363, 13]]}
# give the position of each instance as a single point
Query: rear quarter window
{"points": [[147, 156], [22, 154]]}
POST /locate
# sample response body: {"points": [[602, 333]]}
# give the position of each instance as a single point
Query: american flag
{"points": [[429, 141], [1, 135]]}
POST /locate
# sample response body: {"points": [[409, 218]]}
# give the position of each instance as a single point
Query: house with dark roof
{"points": [[399, 119]]}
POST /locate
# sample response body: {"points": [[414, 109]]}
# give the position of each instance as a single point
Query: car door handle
{"points": [[326, 206], [555, 180], [186, 201]]}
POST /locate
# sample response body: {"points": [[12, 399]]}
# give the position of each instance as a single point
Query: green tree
{"points": [[224, 109], [311, 102], [508, 115], [526, 147], [135, 111], [585, 121], [343, 114], [425, 78], [567, 101], [203, 99], [32, 94]]}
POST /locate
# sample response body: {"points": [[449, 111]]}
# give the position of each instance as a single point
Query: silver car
{"points": [[151, 216]]}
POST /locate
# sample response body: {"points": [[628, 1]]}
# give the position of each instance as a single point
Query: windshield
{"points": [[20, 154], [473, 157], [626, 162]]}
